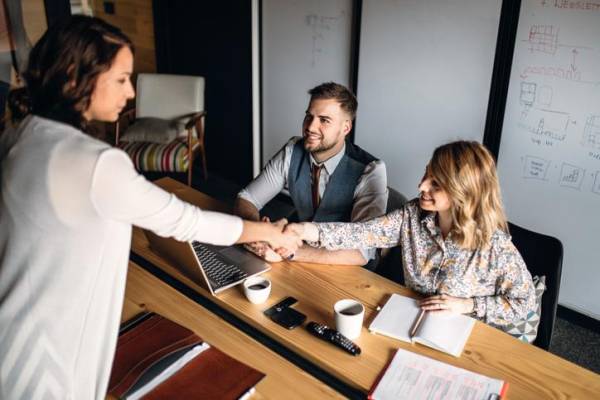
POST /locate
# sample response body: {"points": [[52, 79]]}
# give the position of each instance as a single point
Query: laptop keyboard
{"points": [[218, 271]]}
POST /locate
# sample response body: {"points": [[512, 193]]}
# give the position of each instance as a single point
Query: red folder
{"points": [[211, 374]]}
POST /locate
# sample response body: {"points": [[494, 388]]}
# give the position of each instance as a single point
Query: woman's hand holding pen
{"points": [[444, 303]]}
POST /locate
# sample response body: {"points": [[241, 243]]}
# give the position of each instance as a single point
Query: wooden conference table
{"points": [[532, 373], [145, 292]]}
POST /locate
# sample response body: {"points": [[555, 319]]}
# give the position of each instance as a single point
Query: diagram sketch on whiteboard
{"points": [[571, 176], [544, 96], [319, 25], [527, 96], [543, 38], [546, 124], [591, 132], [535, 168], [596, 186]]}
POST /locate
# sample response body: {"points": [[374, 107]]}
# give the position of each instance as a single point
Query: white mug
{"points": [[349, 316], [257, 289]]}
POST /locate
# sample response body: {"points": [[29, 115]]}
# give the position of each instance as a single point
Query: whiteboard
{"points": [[304, 43], [424, 76], [549, 159]]}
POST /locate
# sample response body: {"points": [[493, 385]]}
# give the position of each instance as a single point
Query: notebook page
{"points": [[396, 318], [445, 332]]}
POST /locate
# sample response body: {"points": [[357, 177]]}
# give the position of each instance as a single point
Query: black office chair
{"points": [[543, 256], [390, 260]]}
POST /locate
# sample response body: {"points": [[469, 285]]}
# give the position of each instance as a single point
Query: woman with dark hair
{"points": [[456, 249], [67, 205]]}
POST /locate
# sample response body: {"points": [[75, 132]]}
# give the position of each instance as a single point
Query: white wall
{"points": [[424, 79], [304, 43]]}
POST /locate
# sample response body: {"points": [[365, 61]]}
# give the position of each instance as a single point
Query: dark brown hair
{"points": [[63, 68], [332, 90]]}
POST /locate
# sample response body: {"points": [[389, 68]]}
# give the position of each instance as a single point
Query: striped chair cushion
{"points": [[170, 157]]}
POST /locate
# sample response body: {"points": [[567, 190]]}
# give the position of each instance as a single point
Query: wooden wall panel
{"points": [[34, 16], [135, 19]]}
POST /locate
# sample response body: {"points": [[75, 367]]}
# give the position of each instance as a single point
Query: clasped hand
{"points": [[283, 246]]}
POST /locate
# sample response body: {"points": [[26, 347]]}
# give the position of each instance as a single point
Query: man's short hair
{"points": [[332, 90]]}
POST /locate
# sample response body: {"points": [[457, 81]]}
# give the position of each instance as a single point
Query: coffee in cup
{"points": [[257, 289], [349, 316]]}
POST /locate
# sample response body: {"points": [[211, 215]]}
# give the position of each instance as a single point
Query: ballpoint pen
{"points": [[415, 327]]}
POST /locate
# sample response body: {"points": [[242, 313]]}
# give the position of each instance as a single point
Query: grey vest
{"points": [[338, 198]]}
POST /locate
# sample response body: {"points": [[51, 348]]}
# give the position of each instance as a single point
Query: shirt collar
{"points": [[332, 163], [427, 219], [429, 223]]}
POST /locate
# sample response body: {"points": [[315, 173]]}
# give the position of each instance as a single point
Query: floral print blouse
{"points": [[496, 277]]}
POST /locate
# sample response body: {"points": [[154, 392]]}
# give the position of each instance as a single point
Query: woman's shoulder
{"points": [[412, 209], [501, 242], [67, 134], [48, 126], [74, 147], [409, 208], [412, 206]]}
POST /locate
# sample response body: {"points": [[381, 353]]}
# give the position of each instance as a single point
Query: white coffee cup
{"points": [[349, 316], [257, 289]]}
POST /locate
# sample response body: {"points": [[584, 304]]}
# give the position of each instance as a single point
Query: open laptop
{"points": [[215, 268]]}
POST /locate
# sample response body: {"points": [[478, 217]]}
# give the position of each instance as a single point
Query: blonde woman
{"points": [[456, 249]]}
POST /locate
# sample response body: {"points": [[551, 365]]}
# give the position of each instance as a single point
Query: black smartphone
{"points": [[282, 305], [288, 318]]}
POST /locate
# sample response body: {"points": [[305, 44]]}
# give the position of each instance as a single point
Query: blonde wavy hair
{"points": [[467, 172]]}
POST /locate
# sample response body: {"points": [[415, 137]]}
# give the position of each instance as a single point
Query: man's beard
{"points": [[321, 148]]}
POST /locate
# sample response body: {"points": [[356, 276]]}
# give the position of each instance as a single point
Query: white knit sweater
{"points": [[67, 204]]}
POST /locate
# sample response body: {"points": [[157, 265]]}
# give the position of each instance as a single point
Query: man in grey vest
{"points": [[328, 178]]}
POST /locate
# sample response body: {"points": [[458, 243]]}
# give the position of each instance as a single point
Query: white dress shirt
{"points": [[370, 194]]}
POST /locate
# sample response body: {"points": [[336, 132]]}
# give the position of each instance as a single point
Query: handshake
{"points": [[283, 241]]}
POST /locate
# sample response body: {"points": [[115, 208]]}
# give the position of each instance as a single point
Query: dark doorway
{"points": [[214, 40]]}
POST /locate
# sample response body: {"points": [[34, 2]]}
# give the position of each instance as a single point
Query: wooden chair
{"points": [[165, 130]]}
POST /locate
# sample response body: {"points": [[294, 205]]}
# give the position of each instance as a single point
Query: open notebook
{"points": [[444, 332]]}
